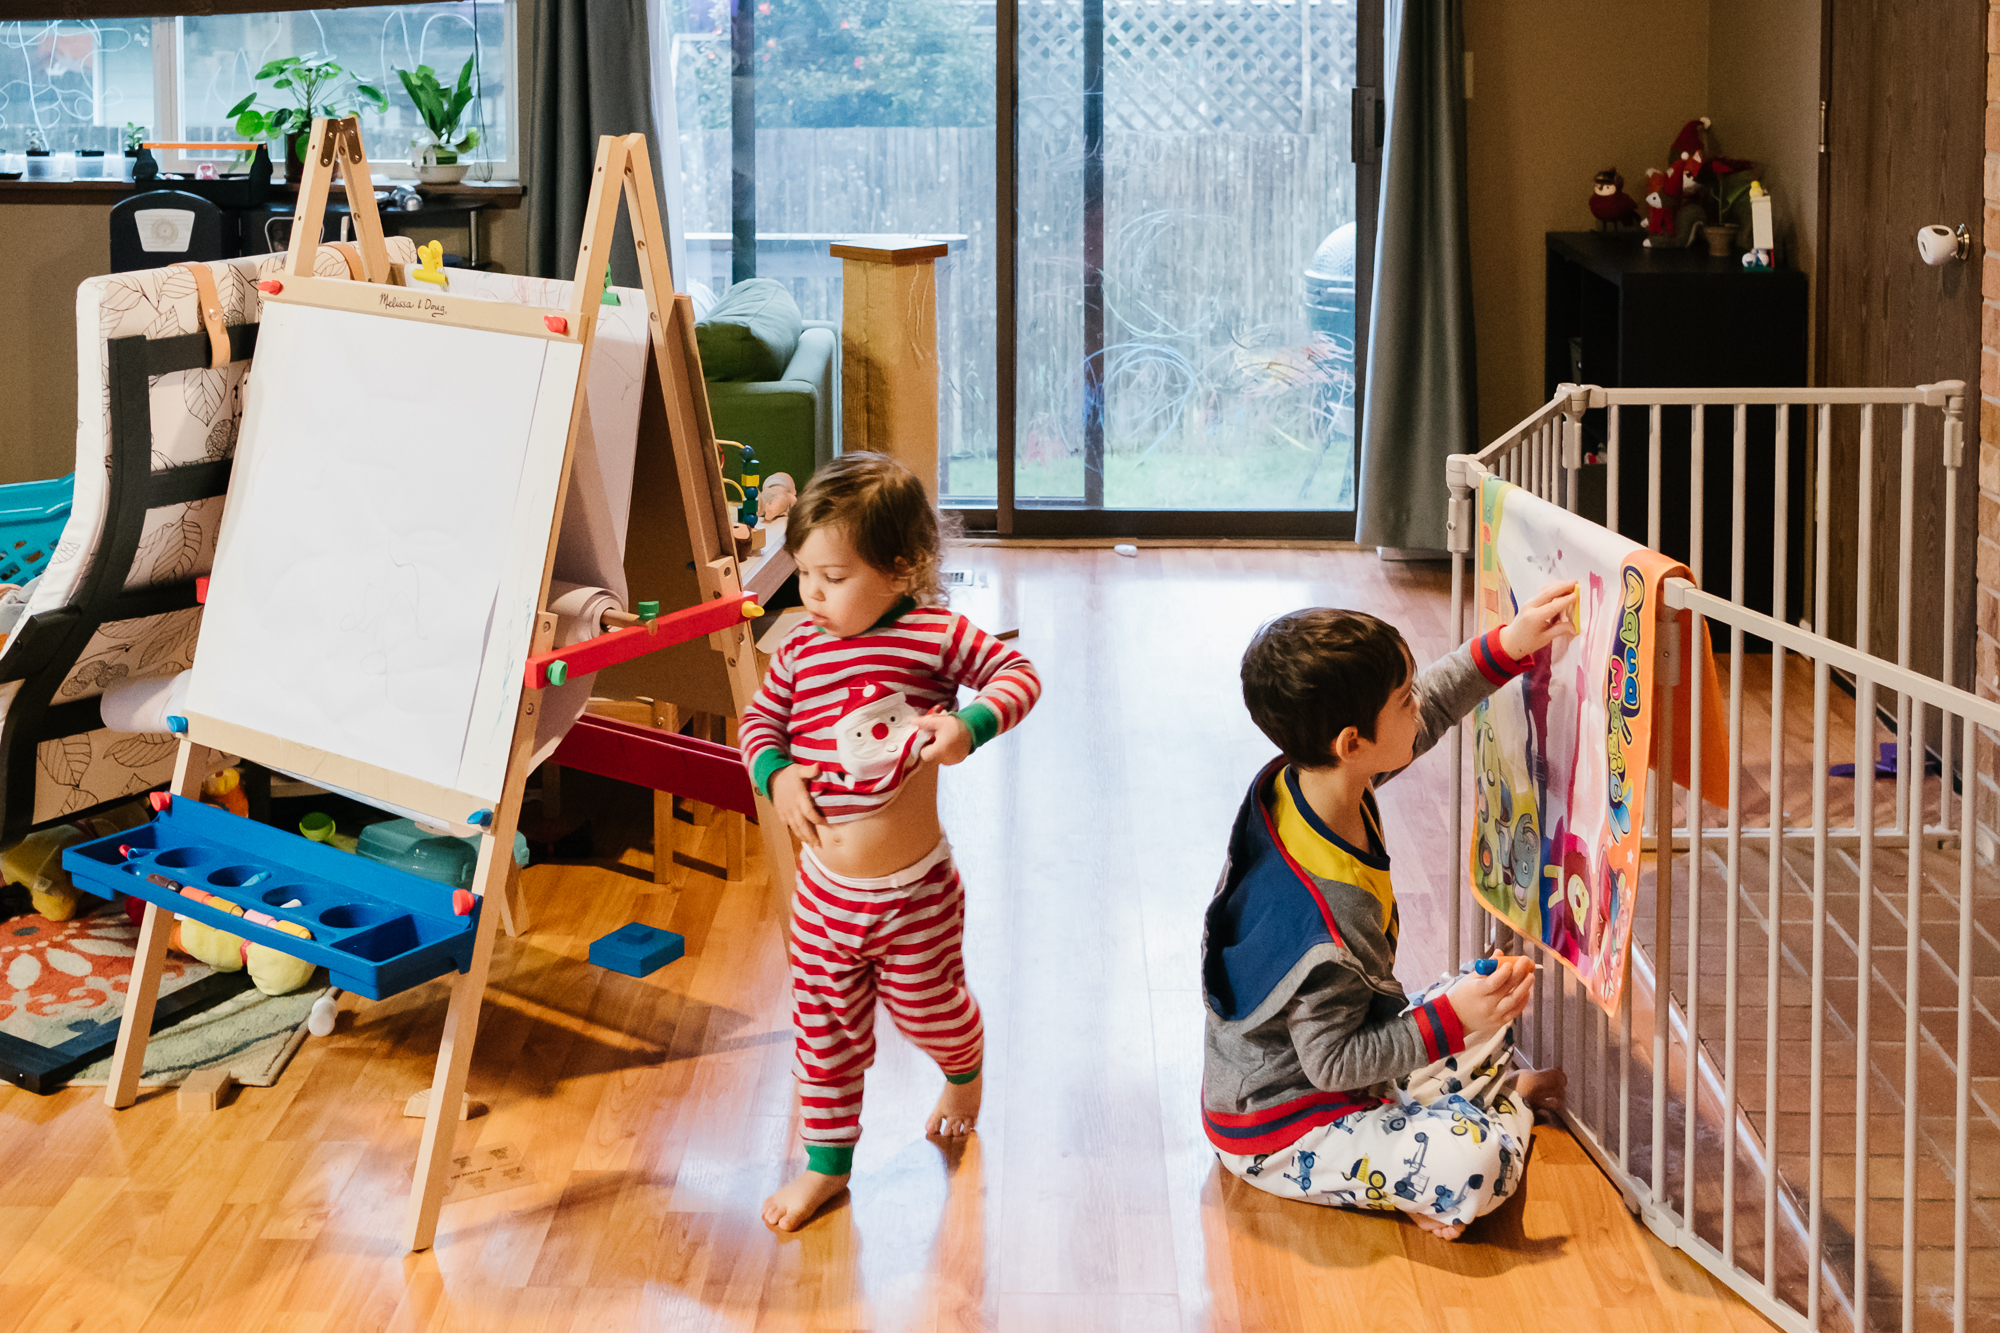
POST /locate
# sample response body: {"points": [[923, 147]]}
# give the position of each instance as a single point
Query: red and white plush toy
{"points": [[1688, 159], [1660, 204]]}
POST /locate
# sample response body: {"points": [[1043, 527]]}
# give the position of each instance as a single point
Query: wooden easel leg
{"points": [[779, 859], [705, 727], [736, 827], [663, 837], [551, 790], [135, 1026], [461, 1028], [128, 1059], [515, 900]]}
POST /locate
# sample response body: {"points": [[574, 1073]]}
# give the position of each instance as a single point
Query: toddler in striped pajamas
{"points": [[846, 737]]}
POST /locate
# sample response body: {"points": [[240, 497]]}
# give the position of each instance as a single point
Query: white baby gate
{"points": [[1818, 1265]]}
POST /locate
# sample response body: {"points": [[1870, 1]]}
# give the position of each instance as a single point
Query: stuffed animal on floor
{"points": [[271, 972], [35, 862]]}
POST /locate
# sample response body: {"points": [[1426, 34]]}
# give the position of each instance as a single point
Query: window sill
{"points": [[498, 194]]}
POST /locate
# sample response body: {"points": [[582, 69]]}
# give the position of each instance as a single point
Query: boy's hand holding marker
{"points": [[1494, 993], [1545, 618]]}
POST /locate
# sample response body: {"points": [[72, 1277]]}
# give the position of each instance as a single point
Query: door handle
{"points": [[1938, 243], [1364, 125]]}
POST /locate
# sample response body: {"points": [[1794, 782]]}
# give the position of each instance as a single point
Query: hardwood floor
{"points": [[654, 1115]]}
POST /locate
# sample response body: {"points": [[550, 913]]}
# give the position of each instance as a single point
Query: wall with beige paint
{"points": [[1763, 94], [1561, 90], [1564, 88]]}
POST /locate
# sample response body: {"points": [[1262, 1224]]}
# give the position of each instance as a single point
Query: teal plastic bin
{"points": [[32, 515]]}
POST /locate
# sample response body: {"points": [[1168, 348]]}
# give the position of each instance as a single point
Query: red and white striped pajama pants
{"points": [[896, 938]]}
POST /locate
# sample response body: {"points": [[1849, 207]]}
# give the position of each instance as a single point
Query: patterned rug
{"points": [[59, 978]]}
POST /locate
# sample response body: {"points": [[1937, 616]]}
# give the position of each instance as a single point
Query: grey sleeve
{"points": [[1340, 1045], [1447, 690]]}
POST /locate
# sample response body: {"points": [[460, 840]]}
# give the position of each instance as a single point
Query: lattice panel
{"points": [[1190, 65]]}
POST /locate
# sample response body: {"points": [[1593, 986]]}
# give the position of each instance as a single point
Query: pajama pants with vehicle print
{"points": [[1451, 1143]]}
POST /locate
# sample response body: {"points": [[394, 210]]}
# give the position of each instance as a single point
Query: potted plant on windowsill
{"points": [[319, 86], [435, 152]]}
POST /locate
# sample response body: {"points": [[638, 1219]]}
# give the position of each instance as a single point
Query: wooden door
{"points": [[1905, 89]]}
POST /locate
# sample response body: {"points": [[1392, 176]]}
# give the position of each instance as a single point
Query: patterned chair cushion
{"points": [[195, 416]]}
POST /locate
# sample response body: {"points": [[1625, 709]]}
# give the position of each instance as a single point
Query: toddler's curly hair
{"points": [[882, 508]]}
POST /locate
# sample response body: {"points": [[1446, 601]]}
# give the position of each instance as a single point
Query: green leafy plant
{"points": [[317, 84], [37, 142], [135, 135], [441, 109]]}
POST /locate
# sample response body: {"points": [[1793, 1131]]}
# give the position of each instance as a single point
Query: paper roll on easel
{"points": [[144, 706], [579, 613]]}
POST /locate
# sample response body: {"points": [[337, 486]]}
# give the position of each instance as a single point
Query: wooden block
{"points": [[419, 1106], [203, 1089]]}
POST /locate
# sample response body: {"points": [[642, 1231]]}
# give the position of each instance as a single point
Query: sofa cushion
{"points": [[751, 333]]}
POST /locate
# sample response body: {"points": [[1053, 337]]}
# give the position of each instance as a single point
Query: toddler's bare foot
{"points": [[1438, 1227], [956, 1112], [1543, 1089], [793, 1206]]}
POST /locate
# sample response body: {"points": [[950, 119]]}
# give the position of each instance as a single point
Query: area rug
{"points": [[251, 1034], [63, 984]]}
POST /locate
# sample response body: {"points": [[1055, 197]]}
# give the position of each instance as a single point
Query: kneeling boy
{"points": [[1322, 1081]]}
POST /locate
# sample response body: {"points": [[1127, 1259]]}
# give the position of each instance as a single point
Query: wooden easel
{"points": [[337, 145]]}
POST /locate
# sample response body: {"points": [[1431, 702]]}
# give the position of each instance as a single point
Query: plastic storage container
{"points": [[402, 843]]}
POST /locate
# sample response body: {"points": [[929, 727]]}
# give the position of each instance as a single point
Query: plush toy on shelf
{"points": [[1659, 206], [777, 496], [1687, 160], [1609, 204]]}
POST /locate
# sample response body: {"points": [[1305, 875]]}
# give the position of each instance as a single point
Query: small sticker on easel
{"points": [[487, 1169]]}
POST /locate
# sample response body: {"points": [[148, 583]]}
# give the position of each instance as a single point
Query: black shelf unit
{"points": [[1623, 316]]}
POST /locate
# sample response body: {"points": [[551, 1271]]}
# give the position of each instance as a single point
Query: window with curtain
{"points": [[78, 84]]}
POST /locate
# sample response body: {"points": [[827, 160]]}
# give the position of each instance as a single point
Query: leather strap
{"points": [[210, 306], [351, 253]]}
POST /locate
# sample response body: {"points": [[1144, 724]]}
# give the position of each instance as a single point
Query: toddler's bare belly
{"points": [[901, 833]]}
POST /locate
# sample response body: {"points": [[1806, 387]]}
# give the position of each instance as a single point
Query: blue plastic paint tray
{"points": [[378, 930]]}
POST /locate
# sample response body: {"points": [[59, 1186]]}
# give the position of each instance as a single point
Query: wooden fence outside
{"points": [[1208, 233]]}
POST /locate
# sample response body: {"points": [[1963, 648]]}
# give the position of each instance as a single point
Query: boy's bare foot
{"points": [[1438, 1227], [1543, 1089], [957, 1110], [793, 1206]]}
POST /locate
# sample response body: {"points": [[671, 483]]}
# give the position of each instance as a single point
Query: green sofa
{"points": [[773, 378]]}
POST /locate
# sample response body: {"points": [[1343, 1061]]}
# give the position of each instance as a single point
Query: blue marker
{"points": [[1485, 967]]}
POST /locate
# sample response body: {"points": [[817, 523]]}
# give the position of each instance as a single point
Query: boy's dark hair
{"points": [[1310, 675], [882, 507]]}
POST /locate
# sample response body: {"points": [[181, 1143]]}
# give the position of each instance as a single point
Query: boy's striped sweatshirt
{"points": [[925, 652]]}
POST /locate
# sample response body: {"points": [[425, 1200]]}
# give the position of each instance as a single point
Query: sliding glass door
{"points": [[1193, 199], [1160, 216]]}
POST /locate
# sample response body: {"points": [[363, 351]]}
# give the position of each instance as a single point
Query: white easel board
{"points": [[378, 573]]}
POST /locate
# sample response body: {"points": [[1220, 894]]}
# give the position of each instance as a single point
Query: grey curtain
{"points": [[1421, 398], [593, 75]]}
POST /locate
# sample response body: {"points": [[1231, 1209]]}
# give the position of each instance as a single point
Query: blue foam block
{"points": [[637, 950]]}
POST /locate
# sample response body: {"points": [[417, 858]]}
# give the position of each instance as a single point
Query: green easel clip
{"points": [[610, 297]]}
